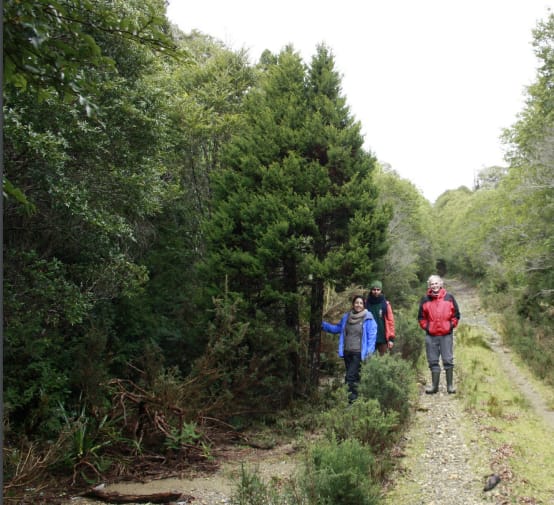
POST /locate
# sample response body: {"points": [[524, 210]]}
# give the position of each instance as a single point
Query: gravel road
{"points": [[445, 463]]}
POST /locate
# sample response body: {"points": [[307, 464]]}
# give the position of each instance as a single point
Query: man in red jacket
{"points": [[438, 315]]}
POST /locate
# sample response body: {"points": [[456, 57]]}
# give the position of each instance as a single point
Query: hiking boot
{"points": [[450, 380], [435, 378]]}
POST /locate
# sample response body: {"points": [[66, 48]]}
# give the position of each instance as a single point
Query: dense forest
{"points": [[178, 220]]}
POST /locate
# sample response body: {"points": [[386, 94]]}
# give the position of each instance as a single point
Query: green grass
{"points": [[518, 441]]}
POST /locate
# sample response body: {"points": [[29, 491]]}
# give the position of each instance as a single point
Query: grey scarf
{"points": [[356, 317]]}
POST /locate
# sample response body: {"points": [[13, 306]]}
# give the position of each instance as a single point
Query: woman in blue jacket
{"points": [[358, 331]]}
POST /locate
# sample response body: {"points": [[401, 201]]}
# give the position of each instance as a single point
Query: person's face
{"points": [[375, 291], [435, 286], [358, 305]]}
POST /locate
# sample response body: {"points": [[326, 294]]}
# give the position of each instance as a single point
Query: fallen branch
{"points": [[101, 493]]}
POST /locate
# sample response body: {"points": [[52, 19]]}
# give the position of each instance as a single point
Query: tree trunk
{"points": [[101, 493], [292, 316], [316, 316]]}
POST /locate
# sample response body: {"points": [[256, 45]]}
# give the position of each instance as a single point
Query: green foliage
{"points": [[252, 490], [81, 193], [464, 231], [340, 468], [501, 233], [390, 380], [182, 436], [411, 249], [246, 367], [293, 206], [52, 44], [40, 303], [44, 45], [10, 191], [410, 340], [532, 343], [103, 226], [339, 473], [86, 440], [363, 421], [202, 108]]}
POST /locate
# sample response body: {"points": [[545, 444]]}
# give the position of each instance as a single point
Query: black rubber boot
{"points": [[450, 380], [352, 393], [435, 378]]}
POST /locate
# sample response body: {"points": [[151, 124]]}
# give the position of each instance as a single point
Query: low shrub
{"points": [[410, 338], [363, 421], [334, 473], [532, 343], [338, 473], [252, 490], [390, 380]]}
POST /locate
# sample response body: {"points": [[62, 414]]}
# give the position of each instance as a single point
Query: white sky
{"points": [[433, 82]]}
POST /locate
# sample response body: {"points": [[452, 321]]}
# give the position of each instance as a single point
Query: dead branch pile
{"points": [[143, 437]]}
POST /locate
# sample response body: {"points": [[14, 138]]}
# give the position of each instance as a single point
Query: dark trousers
{"points": [[352, 363], [383, 348], [437, 348]]}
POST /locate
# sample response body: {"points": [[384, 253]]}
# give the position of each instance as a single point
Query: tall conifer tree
{"points": [[350, 229], [294, 206]]}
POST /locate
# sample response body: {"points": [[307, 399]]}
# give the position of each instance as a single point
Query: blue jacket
{"points": [[369, 334]]}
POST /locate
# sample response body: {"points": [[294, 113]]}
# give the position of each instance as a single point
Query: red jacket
{"points": [[389, 323], [438, 313]]}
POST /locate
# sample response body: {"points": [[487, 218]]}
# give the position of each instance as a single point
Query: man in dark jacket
{"points": [[438, 315], [381, 309]]}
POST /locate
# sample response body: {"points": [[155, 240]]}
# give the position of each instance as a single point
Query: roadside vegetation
{"points": [[517, 438], [513, 440], [178, 220], [351, 452]]}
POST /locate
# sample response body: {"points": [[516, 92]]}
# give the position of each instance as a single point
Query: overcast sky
{"points": [[433, 82]]}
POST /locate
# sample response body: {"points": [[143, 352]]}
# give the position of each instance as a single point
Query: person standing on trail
{"points": [[358, 331], [381, 310], [438, 315]]}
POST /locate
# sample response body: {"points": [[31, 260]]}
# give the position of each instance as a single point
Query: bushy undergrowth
{"points": [[390, 380], [246, 370], [532, 343], [334, 473], [96, 442], [346, 466], [409, 337], [363, 421], [338, 473], [252, 490], [526, 326]]}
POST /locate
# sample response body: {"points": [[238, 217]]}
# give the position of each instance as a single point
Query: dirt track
{"points": [[216, 488], [473, 315], [445, 463]]}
